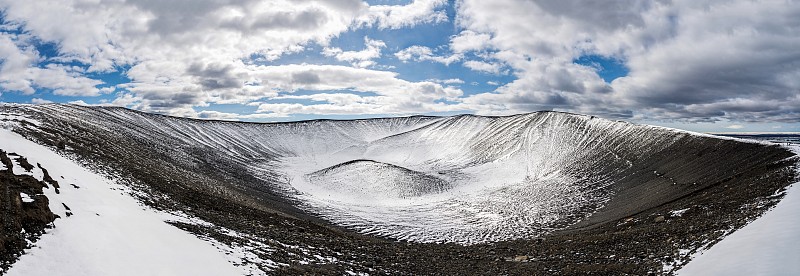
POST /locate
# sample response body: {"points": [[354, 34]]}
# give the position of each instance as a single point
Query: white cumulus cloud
{"points": [[361, 59]]}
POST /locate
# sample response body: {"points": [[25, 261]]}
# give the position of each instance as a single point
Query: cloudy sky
{"points": [[693, 64]]}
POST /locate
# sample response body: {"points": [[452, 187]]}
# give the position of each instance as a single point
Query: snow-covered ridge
{"points": [[465, 179]]}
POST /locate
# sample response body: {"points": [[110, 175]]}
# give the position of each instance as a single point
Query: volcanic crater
{"points": [[575, 193]]}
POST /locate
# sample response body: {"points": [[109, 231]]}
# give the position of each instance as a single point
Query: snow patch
{"points": [[678, 213], [109, 233], [8, 119], [25, 197]]}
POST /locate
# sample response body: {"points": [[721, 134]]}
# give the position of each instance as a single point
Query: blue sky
{"points": [[699, 65]]}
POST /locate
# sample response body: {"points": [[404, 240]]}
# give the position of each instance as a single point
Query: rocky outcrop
{"points": [[24, 210]]}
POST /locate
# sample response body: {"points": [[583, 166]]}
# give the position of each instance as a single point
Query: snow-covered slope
{"points": [[505, 178], [768, 246], [105, 231]]}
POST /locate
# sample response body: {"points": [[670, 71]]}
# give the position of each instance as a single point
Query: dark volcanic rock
{"points": [[20, 220], [23, 162]]}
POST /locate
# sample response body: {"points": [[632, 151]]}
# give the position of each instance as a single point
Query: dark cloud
{"points": [[343, 5], [181, 15], [305, 20], [305, 77], [608, 14], [164, 102], [716, 78], [216, 76]]}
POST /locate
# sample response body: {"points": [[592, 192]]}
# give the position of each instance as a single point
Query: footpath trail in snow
{"points": [[768, 246], [109, 232]]}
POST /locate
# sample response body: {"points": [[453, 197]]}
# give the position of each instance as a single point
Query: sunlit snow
{"points": [[108, 233]]}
